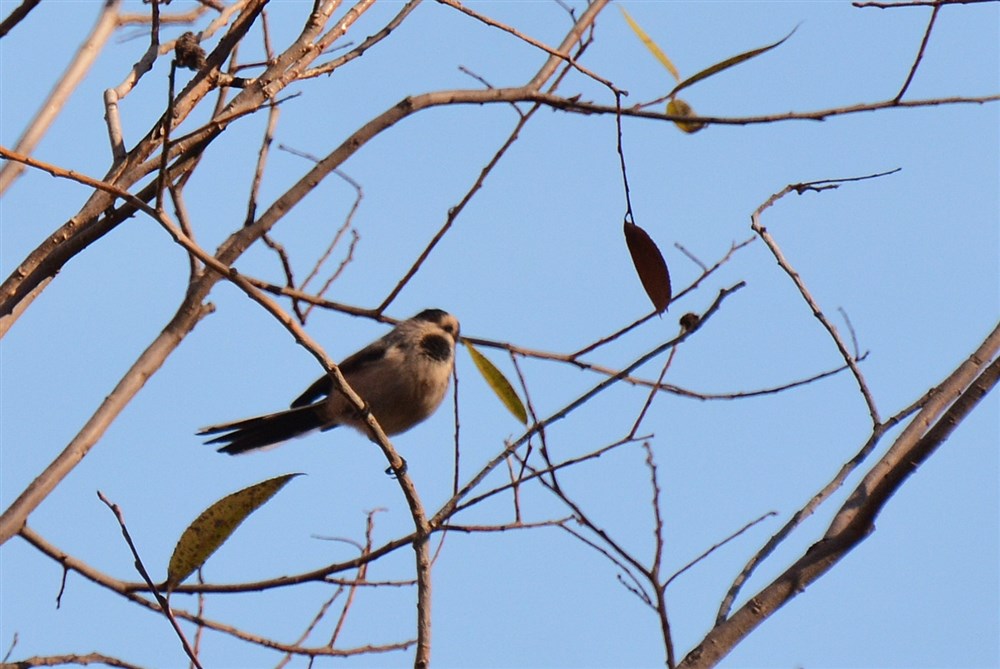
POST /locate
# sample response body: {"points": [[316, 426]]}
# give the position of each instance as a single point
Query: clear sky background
{"points": [[537, 259]]}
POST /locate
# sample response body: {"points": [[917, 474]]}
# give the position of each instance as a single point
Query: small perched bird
{"points": [[403, 377]]}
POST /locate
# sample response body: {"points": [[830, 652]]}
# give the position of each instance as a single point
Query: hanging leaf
{"points": [[211, 529], [678, 107], [650, 44], [499, 383], [727, 63], [650, 266]]}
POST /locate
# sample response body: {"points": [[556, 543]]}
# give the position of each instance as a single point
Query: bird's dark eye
{"points": [[436, 347]]}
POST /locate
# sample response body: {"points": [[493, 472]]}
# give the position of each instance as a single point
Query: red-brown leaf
{"points": [[650, 266]]}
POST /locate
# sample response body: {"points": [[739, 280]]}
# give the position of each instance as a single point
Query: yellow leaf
{"points": [[678, 107], [499, 383], [650, 44], [727, 63], [211, 529]]}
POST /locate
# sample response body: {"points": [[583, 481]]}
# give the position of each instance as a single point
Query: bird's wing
{"points": [[320, 388], [352, 365]]}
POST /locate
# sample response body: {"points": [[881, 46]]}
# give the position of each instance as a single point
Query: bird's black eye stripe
{"points": [[436, 347]]}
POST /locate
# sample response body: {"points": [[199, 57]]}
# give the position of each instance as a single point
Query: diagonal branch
{"points": [[160, 599], [772, 245], [920, 52], [961, 392], [56, 101]]}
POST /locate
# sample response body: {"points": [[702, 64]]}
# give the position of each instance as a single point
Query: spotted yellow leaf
{"points": [[215, 524]]}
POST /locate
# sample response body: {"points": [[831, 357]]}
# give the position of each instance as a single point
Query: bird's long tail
{"points": [[260, 431]]}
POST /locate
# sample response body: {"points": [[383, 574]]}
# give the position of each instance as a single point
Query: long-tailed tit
{"points": [[403, 377]]}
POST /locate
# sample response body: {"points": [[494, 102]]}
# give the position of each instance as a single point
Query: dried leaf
{"points": [[650, 44], [499, 383], [211, 529], [678, 107], [650, 266], [727, 63]]}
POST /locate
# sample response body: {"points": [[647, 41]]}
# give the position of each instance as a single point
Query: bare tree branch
{"points": [[77, 69], [957, 396], [160, 599], [772, 245], [17, 15], [920, 53]]}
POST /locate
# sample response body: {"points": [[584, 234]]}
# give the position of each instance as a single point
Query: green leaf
{"points": [[650, 44], [211, 529], [650, 266], [727, 63], [499, 383], [678, 107]]}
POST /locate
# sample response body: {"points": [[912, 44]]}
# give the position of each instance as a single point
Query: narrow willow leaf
{"points": [[678, 107], [727, 63], [499, 383], [650, 266], [650, 44], [211, 529]]}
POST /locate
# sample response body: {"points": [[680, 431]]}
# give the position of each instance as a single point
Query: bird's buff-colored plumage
{"points": [[402, 377]]}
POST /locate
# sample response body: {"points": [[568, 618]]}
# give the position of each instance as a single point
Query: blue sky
{"points": [[536, 259]]}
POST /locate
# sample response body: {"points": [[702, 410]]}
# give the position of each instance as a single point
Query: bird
{"points": [[402, 377]]}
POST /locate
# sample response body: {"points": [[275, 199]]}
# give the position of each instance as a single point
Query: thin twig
{"points": [[344, 262], [533, 417], [616, 561], [457, 209], [456, 440], [507, 527], [629, 217], [652, 393], [692, 257], [75, 73], [714, 547], [324, 607], [10, 649], [653, 573], [273, 114], [161, 174], [200, 612], [854, 335], [920, 52], [557, 53], [917, 3], [361, 577], [772, 245], [160, 599]]}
